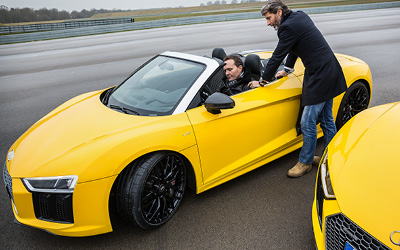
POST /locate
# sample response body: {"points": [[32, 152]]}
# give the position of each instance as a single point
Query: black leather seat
{"points": [[218, 53], [253, 62]]}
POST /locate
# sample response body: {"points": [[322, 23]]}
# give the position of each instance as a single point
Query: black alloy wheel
{"points": [[150, 192], [355, 100]]}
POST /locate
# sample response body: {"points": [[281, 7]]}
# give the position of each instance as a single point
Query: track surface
{"points": [[260, 210]]}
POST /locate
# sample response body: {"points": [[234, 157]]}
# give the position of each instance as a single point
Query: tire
{"points": [[151, 189], [355, 100]]}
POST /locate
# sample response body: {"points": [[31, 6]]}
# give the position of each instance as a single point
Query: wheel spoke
{"points": [[152, 211], [164, 211], [169, 167], [158, 171], [148, 198]]}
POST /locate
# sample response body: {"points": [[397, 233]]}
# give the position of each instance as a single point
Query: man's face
{"points": [[231, 71], [274, 20]]}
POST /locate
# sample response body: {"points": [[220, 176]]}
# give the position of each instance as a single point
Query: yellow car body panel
{"points": [[102, 127], [353, 68], [90, 203], [330, 207], [83, 137], [94, 156], [364, 174], [262, 124]]}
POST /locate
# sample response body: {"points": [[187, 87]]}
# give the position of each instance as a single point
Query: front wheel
{"points": [[150, 191], [355, 100]]}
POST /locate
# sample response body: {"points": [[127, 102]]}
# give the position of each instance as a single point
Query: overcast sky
{"points": [[70, 5]]}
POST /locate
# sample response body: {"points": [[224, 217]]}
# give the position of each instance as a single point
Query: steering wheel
{"points": [[205, 93]]}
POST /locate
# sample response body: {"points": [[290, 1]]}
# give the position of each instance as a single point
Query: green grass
{"points": [[159, 14], [168, 13]]}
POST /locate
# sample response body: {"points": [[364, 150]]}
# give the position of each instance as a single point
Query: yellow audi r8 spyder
{"points": [[356, 203], [138, 145]]}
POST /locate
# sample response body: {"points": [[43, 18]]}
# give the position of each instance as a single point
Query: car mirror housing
{"points": [[218, 101]]}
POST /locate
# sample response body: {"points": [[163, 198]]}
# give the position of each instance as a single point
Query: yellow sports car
{"points": [[356, 203], [139, 144]]}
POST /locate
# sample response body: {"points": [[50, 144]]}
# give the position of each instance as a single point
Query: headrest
{"points": [[218, 53], [253, 62]]}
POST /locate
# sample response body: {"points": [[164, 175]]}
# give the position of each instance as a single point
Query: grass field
{"points": [[157, 14], [168, 13]]}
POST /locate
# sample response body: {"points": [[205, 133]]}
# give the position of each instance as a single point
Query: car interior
{"points": [[252, 61]]}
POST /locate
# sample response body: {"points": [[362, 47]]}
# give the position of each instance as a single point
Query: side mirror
{"points": [[218, 101]]}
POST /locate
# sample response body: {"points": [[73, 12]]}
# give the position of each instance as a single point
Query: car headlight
{"points": [[326, 178], [57, 184]]}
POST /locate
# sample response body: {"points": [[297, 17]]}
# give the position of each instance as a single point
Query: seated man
{"points": [[237, 78]]}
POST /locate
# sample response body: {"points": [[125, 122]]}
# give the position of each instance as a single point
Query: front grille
{"points": [[339, 230], [320, 197], [54, 207], [8, 182]]}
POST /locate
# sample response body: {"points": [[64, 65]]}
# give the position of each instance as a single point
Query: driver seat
{"points": [[253, 62]]}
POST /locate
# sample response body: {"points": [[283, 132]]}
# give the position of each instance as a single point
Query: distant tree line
{"points": [[218, 2], [20, 15], [17, 15]]}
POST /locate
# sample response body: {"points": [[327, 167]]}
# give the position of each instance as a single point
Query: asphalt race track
{"points": [[263, 209]]}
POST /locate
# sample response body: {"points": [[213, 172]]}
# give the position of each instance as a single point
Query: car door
{"points": [[257, 130]]}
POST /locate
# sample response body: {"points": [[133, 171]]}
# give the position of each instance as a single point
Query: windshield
{"points": [[156, 88]]}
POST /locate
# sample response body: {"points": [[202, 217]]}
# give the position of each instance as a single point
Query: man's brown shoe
{"points": [[299, 169], [316, 160]]}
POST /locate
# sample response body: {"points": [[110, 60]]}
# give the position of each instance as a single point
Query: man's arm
{"points": [[286, 42], [291, 60]]}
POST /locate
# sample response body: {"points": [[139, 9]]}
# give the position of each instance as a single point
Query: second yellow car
{"points": [[357, 203]]}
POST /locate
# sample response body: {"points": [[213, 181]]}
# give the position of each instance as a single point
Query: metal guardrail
{"points": [[45, 35], [62, 25]]}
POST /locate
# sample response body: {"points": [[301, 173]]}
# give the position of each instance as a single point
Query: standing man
{"points": [[323, 76]]}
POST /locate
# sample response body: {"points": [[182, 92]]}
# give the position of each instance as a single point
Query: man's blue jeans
{"points": [[311, 114]]}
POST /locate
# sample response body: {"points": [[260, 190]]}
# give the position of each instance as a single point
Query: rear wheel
{"points": [[150, 191], [355, 100]]}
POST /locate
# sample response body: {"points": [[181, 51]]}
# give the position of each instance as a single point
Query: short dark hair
{"points": [[273, 6], [236, 59]]}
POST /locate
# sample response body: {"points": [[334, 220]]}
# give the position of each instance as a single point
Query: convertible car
{"points": [[138, 145], [356, 204]]}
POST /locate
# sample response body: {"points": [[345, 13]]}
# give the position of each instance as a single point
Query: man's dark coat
{"points": [[299, 37]]}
